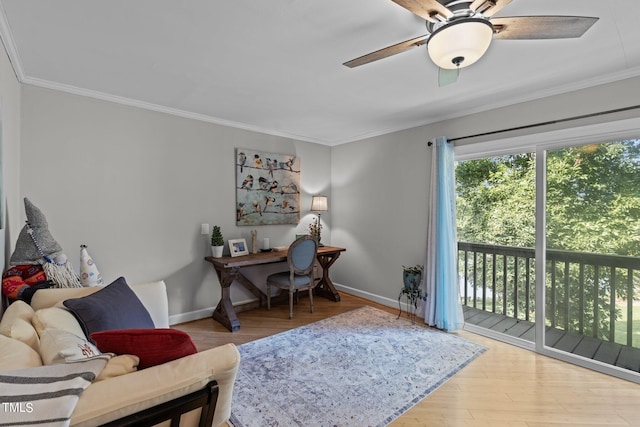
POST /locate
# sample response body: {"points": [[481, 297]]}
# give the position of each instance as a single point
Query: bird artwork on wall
{"points": [[267, 188]]}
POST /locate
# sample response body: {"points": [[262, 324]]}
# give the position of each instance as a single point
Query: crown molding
{"points": [[12, 51], [162, 109], [558, 90]]}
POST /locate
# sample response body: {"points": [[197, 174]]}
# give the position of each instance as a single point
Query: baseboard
{"points": [[372, 297], [199, 314], [190, 316]]}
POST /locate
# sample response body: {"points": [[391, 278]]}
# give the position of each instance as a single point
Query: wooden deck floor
{"points": [[604, 351]]}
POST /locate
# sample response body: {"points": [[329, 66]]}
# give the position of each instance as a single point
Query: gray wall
{"points": [[135, 186], [379, 185], [379, 211], [9, 154]]}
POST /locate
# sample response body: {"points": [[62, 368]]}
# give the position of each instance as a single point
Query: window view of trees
{"points": [[593, 198], [496, 200], [592, 233]]}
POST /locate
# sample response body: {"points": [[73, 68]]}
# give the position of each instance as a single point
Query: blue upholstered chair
{"points": [[300, 257]]}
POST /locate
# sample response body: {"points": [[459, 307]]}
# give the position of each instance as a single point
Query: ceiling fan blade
{"points": [[446, 77], [387, 51], [426, 9], [488, 7], [541, 27]]}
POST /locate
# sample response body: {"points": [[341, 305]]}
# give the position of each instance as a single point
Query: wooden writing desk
{"points": [[228, 270]]}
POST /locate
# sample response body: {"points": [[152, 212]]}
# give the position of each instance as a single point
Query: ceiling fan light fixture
{"points": [[460, 43]]}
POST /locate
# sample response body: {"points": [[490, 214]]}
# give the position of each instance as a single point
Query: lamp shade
{"points": [[319, 204], [460, 43]]}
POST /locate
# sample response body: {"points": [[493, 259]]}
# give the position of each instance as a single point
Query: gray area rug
{"points": [[361, 368]]}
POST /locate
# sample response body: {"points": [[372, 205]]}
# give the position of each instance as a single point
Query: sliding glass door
{"points": [[592, 234], [549, 249]]}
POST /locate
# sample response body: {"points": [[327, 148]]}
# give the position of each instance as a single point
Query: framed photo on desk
{"points": [[238, 247]]}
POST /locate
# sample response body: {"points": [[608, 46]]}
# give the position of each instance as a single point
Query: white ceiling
{"points": [[275, 66]]}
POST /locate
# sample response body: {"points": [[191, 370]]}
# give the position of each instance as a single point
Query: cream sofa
{"points": [[120, 396]]}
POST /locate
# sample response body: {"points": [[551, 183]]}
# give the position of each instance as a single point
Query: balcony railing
{"points": [[586, 293]]}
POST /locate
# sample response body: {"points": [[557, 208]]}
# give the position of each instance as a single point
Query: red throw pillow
{"points": [[152, 346]]}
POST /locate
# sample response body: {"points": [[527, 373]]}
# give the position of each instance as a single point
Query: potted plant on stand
{"points": [[217, 242], [411, 277]]}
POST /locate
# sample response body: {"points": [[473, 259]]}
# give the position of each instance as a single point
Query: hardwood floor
{"points": [[505, 386]]}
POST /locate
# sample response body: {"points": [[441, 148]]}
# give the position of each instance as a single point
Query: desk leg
{"points": [[325, 287], [251, 287], [224, 312]]}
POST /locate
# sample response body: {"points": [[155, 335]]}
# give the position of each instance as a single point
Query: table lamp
{"points": [[318, 204]]}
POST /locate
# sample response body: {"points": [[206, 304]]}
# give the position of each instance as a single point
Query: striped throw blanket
{"points": [[46, 395]]}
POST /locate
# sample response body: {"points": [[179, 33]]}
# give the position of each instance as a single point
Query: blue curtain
{"points": [[442, 307]]}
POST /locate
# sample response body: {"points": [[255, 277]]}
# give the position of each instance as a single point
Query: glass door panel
{"points": [[496, 243], [592, 275]]}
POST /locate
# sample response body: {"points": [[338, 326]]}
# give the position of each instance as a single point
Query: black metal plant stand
{"points": [[413, 296]]}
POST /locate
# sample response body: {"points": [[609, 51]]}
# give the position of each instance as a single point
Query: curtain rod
{"points": [[551, 122]]}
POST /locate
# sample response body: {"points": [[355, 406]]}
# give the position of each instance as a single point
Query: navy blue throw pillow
{"points": [[115, 306]]}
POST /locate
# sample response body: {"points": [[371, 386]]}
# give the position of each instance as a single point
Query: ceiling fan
{"points": [[460, 32]]}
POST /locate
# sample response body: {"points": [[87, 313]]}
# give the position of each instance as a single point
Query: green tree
{"points": [[593, 198], [496, 200]]}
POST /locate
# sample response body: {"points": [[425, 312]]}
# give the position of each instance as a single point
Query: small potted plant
{"points": [[217, 242], [315, 230], [412, 276]]}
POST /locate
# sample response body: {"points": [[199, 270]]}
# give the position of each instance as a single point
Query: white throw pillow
{"points": [[23, 331], [56, 318], [17, 355], [58, 346], [17, 310]]}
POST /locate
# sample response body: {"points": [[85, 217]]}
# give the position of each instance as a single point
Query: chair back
{"points": [[302, 255]]}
